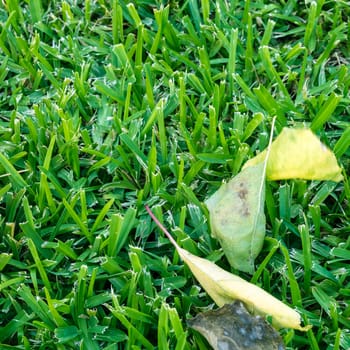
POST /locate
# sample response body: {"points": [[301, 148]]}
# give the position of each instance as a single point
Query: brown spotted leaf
{"points": [[237, 216]]}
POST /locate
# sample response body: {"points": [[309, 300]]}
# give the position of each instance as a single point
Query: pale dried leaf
{"points": [[232, 327]]}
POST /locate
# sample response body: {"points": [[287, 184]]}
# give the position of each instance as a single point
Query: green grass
{"points": [[107, 106]]}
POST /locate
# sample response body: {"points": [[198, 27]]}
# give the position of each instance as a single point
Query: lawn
{"points": [[108, 106]]}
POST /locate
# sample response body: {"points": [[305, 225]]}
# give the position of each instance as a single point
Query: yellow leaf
{"points": [[299, 154], [224, 288]]}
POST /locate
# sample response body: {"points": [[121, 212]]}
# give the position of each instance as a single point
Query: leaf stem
{"points": [[160, 225], [270, 140]]}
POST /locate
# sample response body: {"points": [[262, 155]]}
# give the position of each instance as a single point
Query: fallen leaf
{"points": [[232, 327], [237, 216], [299, 154], [224, 288]]}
